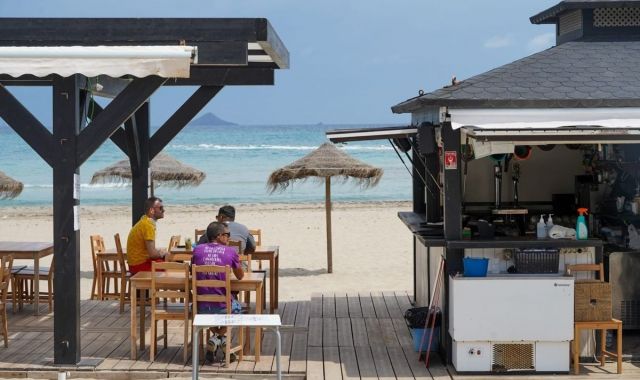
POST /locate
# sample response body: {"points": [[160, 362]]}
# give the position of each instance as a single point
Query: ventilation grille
{"points": [[512, 357], [616, 17], [630, 314], [570, 22]]}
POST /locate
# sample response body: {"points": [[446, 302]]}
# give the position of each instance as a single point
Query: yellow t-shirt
{"points": [[145, 229]]}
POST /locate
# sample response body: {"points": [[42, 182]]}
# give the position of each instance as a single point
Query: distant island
{"points": [[209, 119]]}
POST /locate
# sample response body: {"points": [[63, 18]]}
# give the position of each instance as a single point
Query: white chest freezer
{"points": [[511, 322]]}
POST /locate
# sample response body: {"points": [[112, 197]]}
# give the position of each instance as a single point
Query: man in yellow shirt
{"points": [[141, 243]]}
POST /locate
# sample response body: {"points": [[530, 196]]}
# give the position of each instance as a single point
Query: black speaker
{"points": [[403, 144], [426, 139]]}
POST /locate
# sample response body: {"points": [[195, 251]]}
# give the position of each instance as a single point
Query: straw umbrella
{"points": [[9, 187], [323, 163], [165, 170]]}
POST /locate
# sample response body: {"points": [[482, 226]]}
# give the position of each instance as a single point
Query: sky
{"points": [[350, 60]]}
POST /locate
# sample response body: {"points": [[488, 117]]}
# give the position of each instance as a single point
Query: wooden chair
{"points": [[603, 326], [97, 246], [6, 265], [257, 236], [113, 267], [169, 287], [123, 274], [173, 242], [237, 245], [200, 281], [198, 234], [22, 284]]}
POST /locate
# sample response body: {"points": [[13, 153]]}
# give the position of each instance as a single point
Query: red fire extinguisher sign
{"points": [[450, 160]]}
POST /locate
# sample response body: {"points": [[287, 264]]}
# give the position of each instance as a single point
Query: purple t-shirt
{"points": [[214, 254]]}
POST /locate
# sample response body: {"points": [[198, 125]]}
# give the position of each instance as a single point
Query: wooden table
{"points": [[142, 281], [262, 252], [30, 251]]}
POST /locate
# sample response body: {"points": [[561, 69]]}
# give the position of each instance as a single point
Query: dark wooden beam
{"points": [[133, 144], [225, 76], [115, 31], [119, 110], [140, 182], [272, 44], [26, 125], [180, 118], [452, 217], [67, 123], [119, 137]]}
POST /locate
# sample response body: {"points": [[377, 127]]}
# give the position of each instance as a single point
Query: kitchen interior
{"points": [[520, 211]]}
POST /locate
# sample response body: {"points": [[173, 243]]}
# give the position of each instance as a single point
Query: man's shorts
{"points": [[144, 267], [236, 308]]}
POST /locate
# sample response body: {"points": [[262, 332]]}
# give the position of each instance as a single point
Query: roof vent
{"points": [[569, 22], [616, 17]]}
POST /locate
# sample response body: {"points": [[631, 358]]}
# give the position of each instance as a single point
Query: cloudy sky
{"points": [[350, 60]]}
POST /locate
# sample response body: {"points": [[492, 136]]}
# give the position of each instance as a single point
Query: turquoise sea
{"points": [[236, 159]]}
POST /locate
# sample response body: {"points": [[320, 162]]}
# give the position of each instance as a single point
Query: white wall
{"points": [[543, 174]]}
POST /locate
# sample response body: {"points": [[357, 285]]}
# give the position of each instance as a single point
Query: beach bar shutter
{"points": [[127, 60]]}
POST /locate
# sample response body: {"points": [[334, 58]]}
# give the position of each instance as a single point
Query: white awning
{"points": [[91, 61], [548, 118]]}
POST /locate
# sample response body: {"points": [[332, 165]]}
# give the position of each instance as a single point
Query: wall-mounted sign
{"points": [[450, 160]]}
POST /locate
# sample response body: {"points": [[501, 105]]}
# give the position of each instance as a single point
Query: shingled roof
{"points": [[575, 74], [550, 15]]}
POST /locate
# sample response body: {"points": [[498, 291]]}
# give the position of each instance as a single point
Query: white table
{"points": [[202, 321]]}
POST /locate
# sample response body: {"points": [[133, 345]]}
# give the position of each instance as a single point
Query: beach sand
{"points": [[372, 249]]}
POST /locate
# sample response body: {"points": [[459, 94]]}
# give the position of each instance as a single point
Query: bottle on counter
{"points": [[541, 228], [549, 224], [582, 232]]}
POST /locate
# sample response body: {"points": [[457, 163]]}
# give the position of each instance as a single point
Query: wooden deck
{"points": [[336, 336]]}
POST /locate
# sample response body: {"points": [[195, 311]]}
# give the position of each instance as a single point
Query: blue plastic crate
{"points": [[475, 266], [416, 334]]}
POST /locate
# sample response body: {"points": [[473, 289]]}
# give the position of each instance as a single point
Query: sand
{"points": [[372, 249]]}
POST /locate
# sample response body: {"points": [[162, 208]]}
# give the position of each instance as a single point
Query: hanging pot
{"points": [[522, 152]]}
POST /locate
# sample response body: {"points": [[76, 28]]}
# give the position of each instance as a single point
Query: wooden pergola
{"points": [[229, 52]]}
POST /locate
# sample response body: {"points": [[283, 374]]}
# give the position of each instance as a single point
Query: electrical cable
{"points": [[409, 170], [424, 164]]}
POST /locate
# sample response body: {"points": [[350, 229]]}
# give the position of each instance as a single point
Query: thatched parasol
{"points": [[165, 170], [323, 163], [9, 187]]}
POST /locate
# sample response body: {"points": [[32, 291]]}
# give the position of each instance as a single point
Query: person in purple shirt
{"points": [[216, 252]]}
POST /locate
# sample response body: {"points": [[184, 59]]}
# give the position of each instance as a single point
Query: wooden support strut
{"points": [[67, 123]]}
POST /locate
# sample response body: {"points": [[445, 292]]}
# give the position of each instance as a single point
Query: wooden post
{"points": [[327, 206], [67, 121], [140, 179]]}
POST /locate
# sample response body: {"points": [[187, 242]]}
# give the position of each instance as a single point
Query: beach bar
{"points": [[124, 60], [501, 164]]}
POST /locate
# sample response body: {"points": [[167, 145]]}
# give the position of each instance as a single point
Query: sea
{"points": [[237, 160]]}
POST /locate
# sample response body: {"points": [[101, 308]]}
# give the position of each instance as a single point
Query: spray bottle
{"points": [[541, 229], [582, 232]]}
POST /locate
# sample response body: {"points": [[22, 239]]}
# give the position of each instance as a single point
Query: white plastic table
{"points": [[202, 321]]}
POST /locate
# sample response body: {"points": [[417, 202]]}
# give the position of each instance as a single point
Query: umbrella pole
{"points": [[327, 206], [151, 185]]}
